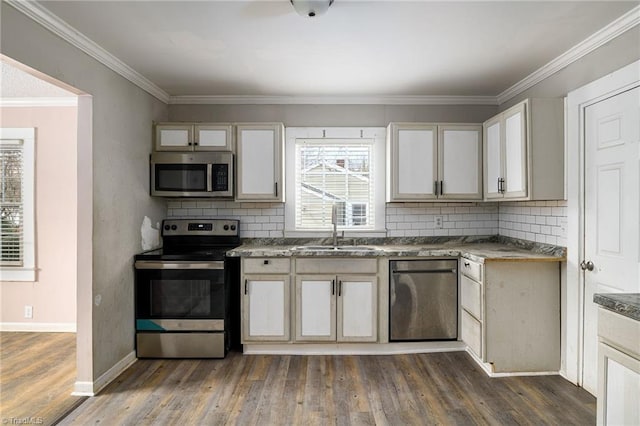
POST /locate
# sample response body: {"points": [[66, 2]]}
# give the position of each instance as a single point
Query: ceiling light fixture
{"points": [[311, 8]]}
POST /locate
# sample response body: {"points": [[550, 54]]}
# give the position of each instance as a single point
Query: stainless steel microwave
{"points": [[192, 174]]}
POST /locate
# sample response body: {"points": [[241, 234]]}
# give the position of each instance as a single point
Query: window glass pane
{"points": [[334, 172], [11, 209]]}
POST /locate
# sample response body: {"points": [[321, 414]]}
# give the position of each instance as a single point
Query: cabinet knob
{"points": [[467, 264], [266, 262]]}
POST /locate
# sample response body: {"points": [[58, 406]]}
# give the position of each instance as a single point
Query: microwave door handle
{"points": [[209, 173]]}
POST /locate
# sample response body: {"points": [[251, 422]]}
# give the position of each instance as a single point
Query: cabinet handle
{"points": [[333, 287], [245, 286], [275, 188], [339, 288], [441, 187], [435, 188], [466, 264]]}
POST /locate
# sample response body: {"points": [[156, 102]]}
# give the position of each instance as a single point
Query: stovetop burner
{"points": [[195, 240]]}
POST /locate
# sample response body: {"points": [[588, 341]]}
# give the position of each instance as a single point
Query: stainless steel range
{"points": [[182, 291]]}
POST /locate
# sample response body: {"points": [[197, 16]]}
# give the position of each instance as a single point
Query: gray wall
{"points": [[614, 55], [122, 116], [333, 115]]}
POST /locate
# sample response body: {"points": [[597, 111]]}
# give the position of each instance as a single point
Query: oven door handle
{"points": [[148, 264]]}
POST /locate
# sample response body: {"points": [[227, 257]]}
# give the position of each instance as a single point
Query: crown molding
{"points": [[56, 25], [333, 100], [39, 102], [53, 23], [588, 45]]}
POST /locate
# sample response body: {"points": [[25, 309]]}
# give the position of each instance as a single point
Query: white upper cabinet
{"points": [[260, 167], [460, 161], [193, 137], [524, 152], [430, 161], [413, 154]]}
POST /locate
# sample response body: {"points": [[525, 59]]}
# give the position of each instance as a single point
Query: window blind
{"points": [[11, 203], [334, 172]]}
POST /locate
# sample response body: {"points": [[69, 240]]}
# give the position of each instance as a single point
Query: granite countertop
{"points": [[477, 249], [626, 304]]}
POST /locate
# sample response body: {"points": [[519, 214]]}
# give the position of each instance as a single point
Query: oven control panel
{"points": [[200, 227]]}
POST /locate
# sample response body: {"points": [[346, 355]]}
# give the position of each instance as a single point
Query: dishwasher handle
{"points": [[425, 271]]}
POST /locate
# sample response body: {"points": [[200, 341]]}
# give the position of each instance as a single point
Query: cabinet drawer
{"points": [[471, 296], [270, 265], [472, 333], [471, 269], [336, 266]]}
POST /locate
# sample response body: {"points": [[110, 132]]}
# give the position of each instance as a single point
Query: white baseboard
{"points": [[92, 388], [488, 368], [352, 348], [39, 327]]}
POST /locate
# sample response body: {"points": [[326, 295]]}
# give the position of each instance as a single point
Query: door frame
{"points": [[573, 293]]}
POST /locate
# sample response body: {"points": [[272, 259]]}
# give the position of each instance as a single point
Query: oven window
{"points": [[180, 294], [180, 298], [181, 177]]}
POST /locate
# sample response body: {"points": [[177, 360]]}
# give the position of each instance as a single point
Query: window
{"points": [[17, 259], [335, 167]]}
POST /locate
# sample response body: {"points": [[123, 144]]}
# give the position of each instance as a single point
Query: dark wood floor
{"points": [[438, 388], [37, 373]]}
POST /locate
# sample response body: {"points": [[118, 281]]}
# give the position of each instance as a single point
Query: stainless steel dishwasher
{"points": [[423, 300]]}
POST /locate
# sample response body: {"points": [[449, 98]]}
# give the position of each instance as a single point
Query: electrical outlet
{"points": [[438, 222], [28, 311]]}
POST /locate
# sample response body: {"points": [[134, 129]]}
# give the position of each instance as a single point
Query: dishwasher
{"points": [[423, 300]]}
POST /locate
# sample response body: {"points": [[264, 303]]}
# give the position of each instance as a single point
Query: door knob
{"points": [[586, 266]]}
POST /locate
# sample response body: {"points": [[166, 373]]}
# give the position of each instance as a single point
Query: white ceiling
{"points": [[359, 48]]}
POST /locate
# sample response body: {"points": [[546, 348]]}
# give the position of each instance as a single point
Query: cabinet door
{"points": [[357, 308], [213, 137], [174, 137], [515, 152], [492, 158], [315, 308], [618, 387], [413, 162], [460, 162], [260, 153], [265, 308]]}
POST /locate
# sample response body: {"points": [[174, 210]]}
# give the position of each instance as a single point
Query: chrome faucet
{"points": [[334, 221]]}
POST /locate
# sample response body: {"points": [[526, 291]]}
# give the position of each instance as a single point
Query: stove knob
{"points": [[167, 227], [226, 227], [233, 227], [174, 227]]}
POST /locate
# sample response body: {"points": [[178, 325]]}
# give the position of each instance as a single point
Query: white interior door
{"points": [[612, 192]]}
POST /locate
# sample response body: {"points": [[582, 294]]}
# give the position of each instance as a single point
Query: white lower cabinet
{"points": [[266, 308], [511, 314], [339, 308], [266, 294], [618, 369]]}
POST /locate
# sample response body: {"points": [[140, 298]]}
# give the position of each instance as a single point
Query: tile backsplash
{"points": [[419, 219], [257, 220], [539, 221]]}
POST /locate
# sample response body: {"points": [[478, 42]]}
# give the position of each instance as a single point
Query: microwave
{"points": [[192, 174]]}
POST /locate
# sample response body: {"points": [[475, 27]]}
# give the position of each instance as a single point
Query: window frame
{"points": [[26, 272], [377, 134]]}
